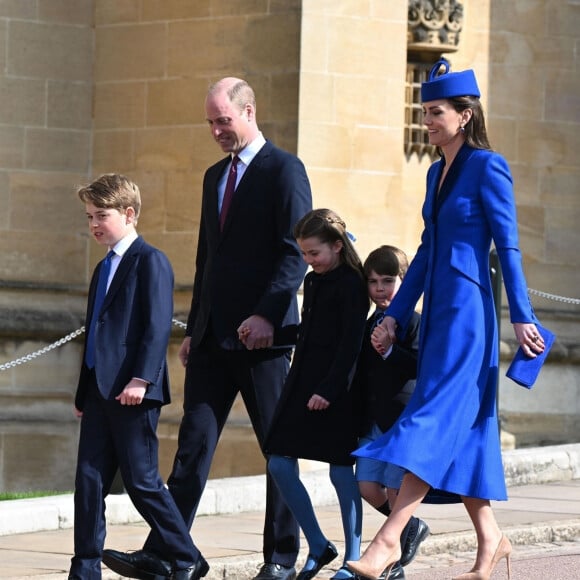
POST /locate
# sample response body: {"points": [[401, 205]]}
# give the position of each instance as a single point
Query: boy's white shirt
{"points": [[388, 352], [119, 249]]}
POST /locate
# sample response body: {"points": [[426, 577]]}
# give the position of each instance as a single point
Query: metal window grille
{"points": [[416, 136]]}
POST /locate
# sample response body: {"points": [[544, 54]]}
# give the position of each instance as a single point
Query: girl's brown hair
{"points": [[329, 228]]}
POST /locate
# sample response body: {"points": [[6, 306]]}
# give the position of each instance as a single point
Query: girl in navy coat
{"points": [[316, 417], [448, 435]]}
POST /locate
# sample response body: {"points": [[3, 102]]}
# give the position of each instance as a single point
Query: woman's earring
{"points": [[462, 129]]}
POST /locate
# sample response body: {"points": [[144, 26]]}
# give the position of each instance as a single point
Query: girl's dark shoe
{"points": [[351, 576], [329, 554]]}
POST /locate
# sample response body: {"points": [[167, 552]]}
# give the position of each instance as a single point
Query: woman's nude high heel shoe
{"points": [[361, 569], [503, 550]]}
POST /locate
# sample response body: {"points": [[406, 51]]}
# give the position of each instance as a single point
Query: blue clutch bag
{"points": [[525, 370]]}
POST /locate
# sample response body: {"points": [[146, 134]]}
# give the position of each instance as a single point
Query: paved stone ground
{"points": [[542, 520], [557, 561]]}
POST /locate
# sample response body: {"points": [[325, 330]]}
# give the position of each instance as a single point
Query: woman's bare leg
{"points": [[486, 529], [385, 547]]}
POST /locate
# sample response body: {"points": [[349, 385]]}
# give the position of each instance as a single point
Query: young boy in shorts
{"points": [[386, 382], [124, 383]]}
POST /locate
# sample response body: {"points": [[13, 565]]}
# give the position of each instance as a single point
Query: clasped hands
{"points": [[383, 336], [256, 332]]}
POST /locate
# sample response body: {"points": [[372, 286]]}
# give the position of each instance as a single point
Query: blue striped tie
{"points": [[378, 318], [98, 304]]}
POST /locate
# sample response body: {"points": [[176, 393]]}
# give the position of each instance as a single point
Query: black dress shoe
{"points": [[417, 533], [197, 571], [329, 554], [352, 575], [140, 564], [276, 572], [396, 573]]}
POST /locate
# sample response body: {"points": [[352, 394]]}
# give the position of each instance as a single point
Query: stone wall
{"points": [[534, 120], [46, 74], [534, 114], [92, 86]]}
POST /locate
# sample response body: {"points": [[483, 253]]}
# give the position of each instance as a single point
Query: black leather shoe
{"points": [[276, 572], [346, 569], [140, 564], [197, 571], [329, 554], [417, 534], [396, 573]]}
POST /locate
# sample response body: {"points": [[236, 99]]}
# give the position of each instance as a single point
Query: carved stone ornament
{"points": [[434, 25]]}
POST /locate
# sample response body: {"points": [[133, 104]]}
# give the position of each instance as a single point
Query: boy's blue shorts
{"points": [[387, 474]]}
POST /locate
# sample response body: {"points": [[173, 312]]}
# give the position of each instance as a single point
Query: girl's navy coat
{"points": [[329, 337]]}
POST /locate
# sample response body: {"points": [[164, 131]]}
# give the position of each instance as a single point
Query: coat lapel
{"points": [[124, 267], [245, 183], [212, 209], [451, 178]]}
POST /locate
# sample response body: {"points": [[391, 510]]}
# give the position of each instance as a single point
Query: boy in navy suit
{"points": [[386, 382], [123, 384]]}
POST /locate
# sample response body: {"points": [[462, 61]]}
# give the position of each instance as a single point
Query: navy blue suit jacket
{"points": [[254, 266], [134, 325]]}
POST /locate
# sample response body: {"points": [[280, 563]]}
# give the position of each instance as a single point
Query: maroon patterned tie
{"points": [[229, 191]]}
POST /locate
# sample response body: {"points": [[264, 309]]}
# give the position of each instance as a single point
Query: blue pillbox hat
{"points": [[447, 85]]}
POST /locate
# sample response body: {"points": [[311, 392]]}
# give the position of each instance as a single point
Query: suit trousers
{"points": [[214, 376], [122, 436]]}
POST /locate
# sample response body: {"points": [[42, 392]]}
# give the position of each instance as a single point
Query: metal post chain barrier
{"points": [[31, 356]]}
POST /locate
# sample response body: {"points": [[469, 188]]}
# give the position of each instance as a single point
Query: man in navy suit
{"points": [[248, 271], [123, 384]]}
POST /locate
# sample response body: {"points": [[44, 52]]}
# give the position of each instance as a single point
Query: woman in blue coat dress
{"points": [[448, 435]]}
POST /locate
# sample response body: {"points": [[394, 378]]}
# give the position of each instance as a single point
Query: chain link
{"points": [[554, 297], [179, 323], [37, 353], [31, 356]]}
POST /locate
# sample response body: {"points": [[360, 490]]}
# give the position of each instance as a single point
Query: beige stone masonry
{"points": [[183, 9], [28, 101], [66, 11], [116, 12], [130, 52], [120, 105], [175, 102], [68, 104], [188, 42], [69, 56], [56, 258], [164, 148], [44, 203], [12, 147], [113, 151], [18, 9], [57, 150]]}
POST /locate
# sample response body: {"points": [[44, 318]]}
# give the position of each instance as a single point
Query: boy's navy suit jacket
{"points": [[381, 380], [133, 327]]}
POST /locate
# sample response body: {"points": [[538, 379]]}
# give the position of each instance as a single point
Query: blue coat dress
{"points": [[448, 433]]}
